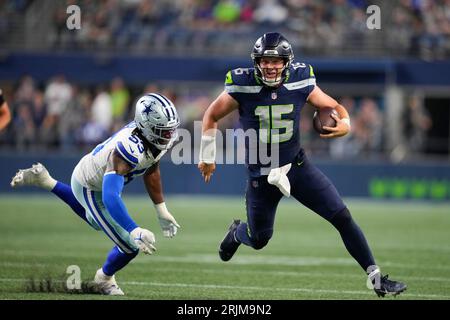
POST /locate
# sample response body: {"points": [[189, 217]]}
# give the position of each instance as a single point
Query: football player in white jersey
{"points": [[98, 180]]}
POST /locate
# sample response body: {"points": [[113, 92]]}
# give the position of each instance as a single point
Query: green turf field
{"points": [[40, 237]]}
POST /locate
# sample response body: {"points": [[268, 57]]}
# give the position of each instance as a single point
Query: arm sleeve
{"points": [[112, 188]]}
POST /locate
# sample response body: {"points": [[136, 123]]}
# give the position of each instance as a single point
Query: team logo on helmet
{"points": [[148, 106], [157, 119]]}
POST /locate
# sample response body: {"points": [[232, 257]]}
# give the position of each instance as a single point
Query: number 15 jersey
{"points": [[272, 112]]}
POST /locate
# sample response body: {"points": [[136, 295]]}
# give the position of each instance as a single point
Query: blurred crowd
{"points": [[62, 116], [319, 27], [419, 28]]}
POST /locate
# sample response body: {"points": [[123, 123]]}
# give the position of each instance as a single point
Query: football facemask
{"points": [[157, 119], [266, 75], [272, 44], [162, 137]]}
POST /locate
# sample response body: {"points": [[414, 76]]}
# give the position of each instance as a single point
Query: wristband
{"points": [[346, 120], [208, 149], [161, 209]]}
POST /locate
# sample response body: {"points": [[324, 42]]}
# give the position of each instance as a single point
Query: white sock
{"points": [[103, 275]]}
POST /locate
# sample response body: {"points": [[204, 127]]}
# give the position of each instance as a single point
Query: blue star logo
{"points": [[148, 107]]}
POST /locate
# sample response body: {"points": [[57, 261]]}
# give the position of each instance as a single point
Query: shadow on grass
{"points": [[50, 285]]}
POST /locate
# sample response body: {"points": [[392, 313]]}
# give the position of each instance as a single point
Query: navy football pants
{"points": [[308, 185], [315, 191]]}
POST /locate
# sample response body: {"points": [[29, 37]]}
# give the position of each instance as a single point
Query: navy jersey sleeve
{"points": [[309, 75], [301, 78], [241, 81]]}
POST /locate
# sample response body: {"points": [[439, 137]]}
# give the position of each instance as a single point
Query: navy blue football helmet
{"points": [[272, 44]]}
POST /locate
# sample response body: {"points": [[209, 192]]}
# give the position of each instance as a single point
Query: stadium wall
{"points": [[139, 70], [363, 179]]}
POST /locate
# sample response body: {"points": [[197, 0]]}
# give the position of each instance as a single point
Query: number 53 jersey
{"points": [[90, 170], [272, 112]]}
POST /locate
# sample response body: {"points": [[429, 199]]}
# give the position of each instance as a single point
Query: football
{"points": [[322, 118]]}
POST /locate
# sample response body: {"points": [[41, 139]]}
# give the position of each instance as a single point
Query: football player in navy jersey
{"points": [[269, 98]]}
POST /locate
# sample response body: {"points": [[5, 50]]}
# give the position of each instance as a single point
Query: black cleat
{"points": [[389, 287], [229, 244]]}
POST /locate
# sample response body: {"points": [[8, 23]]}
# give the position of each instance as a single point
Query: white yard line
{"points": [[319, 274], [243, 259], [234, 271], [254, 288]]}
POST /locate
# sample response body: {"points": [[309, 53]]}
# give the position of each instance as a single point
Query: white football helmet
{"points": [[157, 119]]}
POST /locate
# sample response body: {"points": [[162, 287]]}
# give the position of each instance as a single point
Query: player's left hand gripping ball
{"points": [[167, 222], [341, 129]]}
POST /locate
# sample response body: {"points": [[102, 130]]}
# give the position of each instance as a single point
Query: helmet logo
{"points": [[148, 107], [271, 52]]}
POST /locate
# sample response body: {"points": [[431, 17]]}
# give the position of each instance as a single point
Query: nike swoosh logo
{"points": [[300, 163], [132, 151]]}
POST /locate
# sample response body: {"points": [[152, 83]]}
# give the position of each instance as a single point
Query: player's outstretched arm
{"points": [[152, 181], [219, 108], [320, 99], [5, 113], [113, 182]]}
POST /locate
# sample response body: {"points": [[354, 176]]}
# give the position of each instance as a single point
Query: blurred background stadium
{"points": [[70, 89]]}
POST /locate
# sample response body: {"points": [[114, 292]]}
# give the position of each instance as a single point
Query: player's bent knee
{"points": [[262, 239], [260, 243], [133, 254], [342, 218]]}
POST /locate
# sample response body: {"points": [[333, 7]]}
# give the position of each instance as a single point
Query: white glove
{"points": [[144, 239], [167, 222], [278, 178]]}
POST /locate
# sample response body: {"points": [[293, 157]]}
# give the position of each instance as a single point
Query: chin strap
{"points": [[275, 83]]}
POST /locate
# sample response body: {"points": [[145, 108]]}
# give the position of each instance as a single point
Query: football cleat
{"points": [[229, 244], [389, 287], [37, 176], [107, 285]]}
